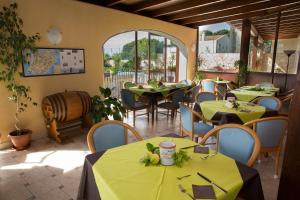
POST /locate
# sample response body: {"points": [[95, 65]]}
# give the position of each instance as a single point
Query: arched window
{"points": [[138, 56]]}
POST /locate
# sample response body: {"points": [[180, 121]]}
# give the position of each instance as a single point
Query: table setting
{"points": [[165, 168], [232, 111], [250, 93]]}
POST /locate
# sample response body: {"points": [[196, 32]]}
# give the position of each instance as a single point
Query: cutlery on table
{"points": [[209, 155], [211, 182], [182, 177], [184, 191], [197, 145]]}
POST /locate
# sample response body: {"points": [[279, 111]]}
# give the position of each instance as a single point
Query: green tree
{"points": [[221, 32], [129, 48], [208, 33], [117, 57], [107, 58]]}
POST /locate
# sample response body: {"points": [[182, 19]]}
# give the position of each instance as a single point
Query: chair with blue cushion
{"points": [[188, 126], [236, 141], [172, 103], [108, 134], [208, 85], [271, 131], [271, 103], [130, 104]]}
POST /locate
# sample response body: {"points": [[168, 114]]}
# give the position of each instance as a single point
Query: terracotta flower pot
{"points": [[21, 139]]}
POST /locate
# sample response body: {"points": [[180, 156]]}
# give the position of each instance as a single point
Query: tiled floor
{"points": [[48, 170]]}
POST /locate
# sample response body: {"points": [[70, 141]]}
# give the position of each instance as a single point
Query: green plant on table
{"points": [[152, 157], [13, 43], [104, 105], [180, 157]]}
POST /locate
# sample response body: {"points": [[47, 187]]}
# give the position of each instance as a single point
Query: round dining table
{"points": [[219, 112]]}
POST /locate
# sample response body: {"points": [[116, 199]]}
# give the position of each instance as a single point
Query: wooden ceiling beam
{"points": [[281, 36], [146, 4], [244, 15], [182, 6], [240, 13], [110, 3], [211, 10], [284, 17], [272, 24]]}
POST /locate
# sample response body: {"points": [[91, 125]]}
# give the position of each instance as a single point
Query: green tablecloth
{"points": [[120, 176], [248, 93], [246, 112], [163, 90]]}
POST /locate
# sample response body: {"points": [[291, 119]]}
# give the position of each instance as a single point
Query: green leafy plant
{"points": [[13, 42], [152, 157], [199, 76], [241, 76], [180, 157], [104, 105]]}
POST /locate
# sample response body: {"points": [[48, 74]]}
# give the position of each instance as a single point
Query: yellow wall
{"points": [[83, 26]]}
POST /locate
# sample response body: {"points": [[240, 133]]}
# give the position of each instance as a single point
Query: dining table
{"points": [[118, 174], [153, 94], [250, 93], [216, 110]]}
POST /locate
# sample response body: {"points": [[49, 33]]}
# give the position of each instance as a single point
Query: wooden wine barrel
{"points": [[65, 110], [66, 106]]}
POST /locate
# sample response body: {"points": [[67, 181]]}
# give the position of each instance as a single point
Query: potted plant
{"points": [[104, 105], [241, 76], [12, 43]]}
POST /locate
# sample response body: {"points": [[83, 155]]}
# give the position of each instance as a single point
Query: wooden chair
{"points": [[188, 125], [236, 141], [130, 104], [271, 103], [108, 134], [205, 96], [286, 100], [271, 132]]}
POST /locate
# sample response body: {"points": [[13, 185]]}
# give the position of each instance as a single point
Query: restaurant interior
{"points": [[149, 99]]}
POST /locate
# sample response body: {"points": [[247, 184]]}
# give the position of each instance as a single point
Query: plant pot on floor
{"points": [[20, 139]]}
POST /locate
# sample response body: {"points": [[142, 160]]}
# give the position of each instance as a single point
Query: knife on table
{"points": [[211, 182]]}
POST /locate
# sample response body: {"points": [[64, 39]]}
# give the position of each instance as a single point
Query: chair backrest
{"points": [[186, 117], [185, 82], [195, 90], [221, 90], [271, 103], [208, 85], [270, 130], [128, 98], [205, 96], [266, 85], [177, 97], [128, 85], [108, 134], [236, 141]]}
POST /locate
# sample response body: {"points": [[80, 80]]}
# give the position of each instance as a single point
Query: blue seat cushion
{"points": [[200, 128]]}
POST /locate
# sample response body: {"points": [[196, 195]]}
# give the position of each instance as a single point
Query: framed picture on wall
{"points": [[53, 61]]}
